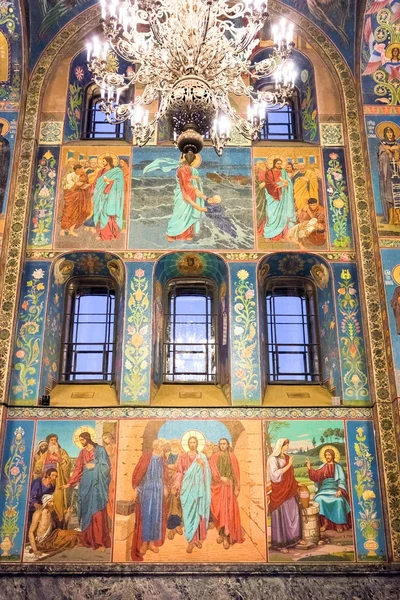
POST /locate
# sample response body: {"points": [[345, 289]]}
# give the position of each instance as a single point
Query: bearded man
{"points": [[149, 494], [92, 473], [193, 485], [39, 488], [331, 493], [225, 488], [39, 459], [174, 522], [57, 458], [45, 533]]}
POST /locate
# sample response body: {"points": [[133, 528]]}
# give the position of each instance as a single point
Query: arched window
{"points": [[293, 347], [283, 123], [190, 347], [88, 340], [95, 125]]}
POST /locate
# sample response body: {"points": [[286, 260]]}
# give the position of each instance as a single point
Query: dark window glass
{"points": [[95, 124], [88, 341], [190, 347], [283, 123], [293, 344]]}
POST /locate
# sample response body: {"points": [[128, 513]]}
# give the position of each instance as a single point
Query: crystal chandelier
{"points": [[189, 56]]}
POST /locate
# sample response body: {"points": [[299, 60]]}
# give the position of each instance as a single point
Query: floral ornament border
{"points": [[13, 247], [352, 352], [14, 475], [245, 368], [338, 200], [138, 412], [127, 255], [368, 517], [28, 346], [43, 200], [368, 521], [309, 110], [135, 377]]}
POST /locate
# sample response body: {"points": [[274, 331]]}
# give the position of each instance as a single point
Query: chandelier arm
{"points": [[189, 54]]}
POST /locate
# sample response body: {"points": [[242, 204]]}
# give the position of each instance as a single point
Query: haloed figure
{"points": [[92, 473], [193, 485], [225, 488], [332, 495]]}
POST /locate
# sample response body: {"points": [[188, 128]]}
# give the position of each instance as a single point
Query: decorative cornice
{"points": [[126, 412]]}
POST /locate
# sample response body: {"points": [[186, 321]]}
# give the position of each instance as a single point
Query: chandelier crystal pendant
{"points": [[189, 55]]}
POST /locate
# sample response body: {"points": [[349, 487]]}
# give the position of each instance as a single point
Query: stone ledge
{"points": [[229, 569]]}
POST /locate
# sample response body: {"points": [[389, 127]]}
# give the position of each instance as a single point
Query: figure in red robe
{"points": [[225, 488], [77, 201], [150, 491]]}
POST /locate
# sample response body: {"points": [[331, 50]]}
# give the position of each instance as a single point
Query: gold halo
{"points": [[389, 49], [396, 274], [272, 157], [6, 126], [82, 429], [193, 433], [113, 156], [381, 126], [329, 447]]}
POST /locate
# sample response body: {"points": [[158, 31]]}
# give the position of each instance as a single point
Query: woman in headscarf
{"points": [[283, 501]]}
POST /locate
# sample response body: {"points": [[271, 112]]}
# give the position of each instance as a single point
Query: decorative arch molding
{"points": [[366, 245], [315, 268]]}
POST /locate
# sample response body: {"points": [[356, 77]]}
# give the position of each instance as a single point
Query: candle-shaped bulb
{"points": [[96, 47], [249, 113], [89, 51], [275, 33], [290, 33], [103, 9]]}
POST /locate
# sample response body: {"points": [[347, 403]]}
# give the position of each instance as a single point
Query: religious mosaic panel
{"points": [[173, 488], [8, 126], [384, 152], [391, 275], [190, 491], [290, 205], [206, 204], [310, 516], [70, 510], [93, 198], [380, 59]]}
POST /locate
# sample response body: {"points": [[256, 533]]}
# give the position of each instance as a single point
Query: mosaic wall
{"points": [[47, 18], [11, 66], [132, 204], [241, 325], [169, 489]]}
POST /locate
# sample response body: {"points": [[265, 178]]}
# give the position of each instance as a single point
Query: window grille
{"points": [[95, 124], [283, 123], [190, 346], [89, 325], [292, 332]]}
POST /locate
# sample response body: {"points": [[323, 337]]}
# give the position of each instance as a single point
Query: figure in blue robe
{"points": [[331, 493]]}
